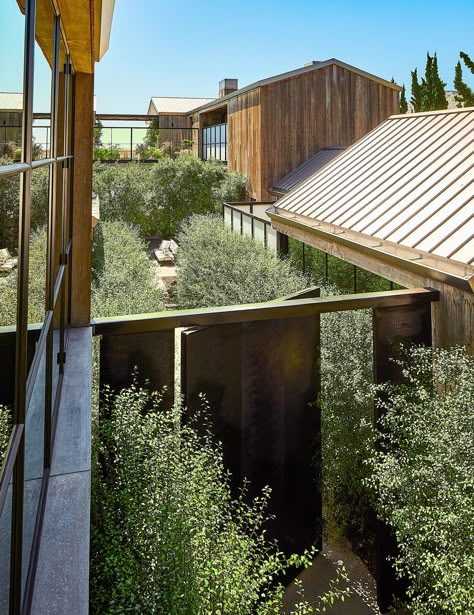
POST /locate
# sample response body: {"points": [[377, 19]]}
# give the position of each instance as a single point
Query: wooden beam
{"points": [[82, 199]]}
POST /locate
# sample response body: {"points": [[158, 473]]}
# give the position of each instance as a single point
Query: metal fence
{"points": [[126, 143]]}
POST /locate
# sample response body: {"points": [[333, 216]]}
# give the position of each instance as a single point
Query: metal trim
{"points": [[466, 284], [142, 323]]}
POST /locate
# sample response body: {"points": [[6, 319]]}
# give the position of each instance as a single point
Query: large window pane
{"points": [[44, 30], [9, 215], [34, 462], [5, 549], [12, 25]]}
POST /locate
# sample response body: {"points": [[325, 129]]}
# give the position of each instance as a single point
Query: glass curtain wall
{"points": [[35, 243], [214, 143]]}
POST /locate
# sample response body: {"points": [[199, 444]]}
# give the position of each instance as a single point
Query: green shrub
{"points": [[218, 267], [166, 535], [10, 203], [5, 429], [181, 187], [107, 153], [123, 191], [423, 477], [36, 286], [346, 421], [158, 197], [124, 280]]}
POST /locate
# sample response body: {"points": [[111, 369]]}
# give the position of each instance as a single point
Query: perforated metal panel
{"points": [[394, 327], [149, 355], [260, 379]]}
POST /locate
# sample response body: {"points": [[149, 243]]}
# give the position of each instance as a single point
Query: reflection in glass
{"points": [[42, 80], [9, 216], [12, 25], [34, 462], [5, 548]]}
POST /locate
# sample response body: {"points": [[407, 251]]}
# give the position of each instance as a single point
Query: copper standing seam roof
{"points": [[409, 184], [305, 170]]}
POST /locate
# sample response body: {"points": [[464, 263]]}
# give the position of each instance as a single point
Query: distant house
{"points": [[267, 129], [11, 110], [400, 203], [175, 123]]}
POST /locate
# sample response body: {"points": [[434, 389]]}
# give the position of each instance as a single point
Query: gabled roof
{"points": [[305, 170], [11, 101], [174, 104], [312, 66], [406, 188]]}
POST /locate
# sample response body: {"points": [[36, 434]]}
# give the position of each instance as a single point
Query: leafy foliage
{"points": [[167, 536], [429, 94], [218, 267], [158, 197], [5, 429], [10, 203], [346, 418], [36, 285], [107, 153], [403, 100], [423, 477], [465, 97], [124, 279]]}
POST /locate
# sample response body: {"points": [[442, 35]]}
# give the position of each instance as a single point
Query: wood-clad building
{"points": [[400, 203], [267, 129]]}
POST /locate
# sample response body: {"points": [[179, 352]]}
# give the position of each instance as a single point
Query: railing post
{"points": [[394, 327]]}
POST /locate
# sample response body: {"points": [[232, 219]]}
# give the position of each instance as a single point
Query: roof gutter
{"points": [[464, 283]]}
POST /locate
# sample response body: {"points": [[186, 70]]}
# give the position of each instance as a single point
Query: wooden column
{"points": [[82, 199]]}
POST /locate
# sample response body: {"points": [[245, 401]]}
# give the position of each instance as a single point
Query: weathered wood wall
{"points": [[452, 316], [328, 107], [244, 149]]}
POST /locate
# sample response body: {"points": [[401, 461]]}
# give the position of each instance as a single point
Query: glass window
{"points": [[44, 31], [12, 26], [9, 216]]}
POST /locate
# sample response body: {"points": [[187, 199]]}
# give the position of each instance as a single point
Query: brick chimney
{"points": [[227, 86]]}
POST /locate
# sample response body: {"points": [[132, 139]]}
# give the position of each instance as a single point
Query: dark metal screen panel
{"points": [[148, 355], [261, 380], [393, 328]]}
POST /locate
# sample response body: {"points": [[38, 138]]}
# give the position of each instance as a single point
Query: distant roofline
{"points": [[294, 73], [186, 113], [439, 112]]}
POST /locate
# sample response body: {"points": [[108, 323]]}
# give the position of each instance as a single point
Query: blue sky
{"points": [[184, 48]]}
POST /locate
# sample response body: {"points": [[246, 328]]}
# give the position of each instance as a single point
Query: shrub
{"points": [[36, 287], [218, 267], [181, 187], [107, 153], [158, 197], [10, 203], [423, 477], [124, 279], [346, 422], [123, 191], [5, 429], [167, 536]]}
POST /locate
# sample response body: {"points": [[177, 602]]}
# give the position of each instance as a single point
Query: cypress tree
{"points": [[429, 95], [403, 101], [465, 97]]}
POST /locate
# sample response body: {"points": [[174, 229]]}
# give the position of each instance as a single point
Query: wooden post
{"points": [[82, 199]]}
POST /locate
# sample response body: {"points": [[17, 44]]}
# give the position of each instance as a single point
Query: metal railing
{"points": [[126, 143]]}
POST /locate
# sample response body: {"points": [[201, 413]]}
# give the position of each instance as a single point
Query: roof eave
{"points": [[463, 282]]}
